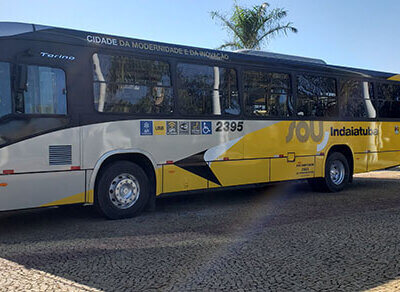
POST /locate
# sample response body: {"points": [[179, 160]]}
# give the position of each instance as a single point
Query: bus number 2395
{"points": [[229, 126]]}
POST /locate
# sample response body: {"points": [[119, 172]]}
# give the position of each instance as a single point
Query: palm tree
{"points": [[253, 26]]}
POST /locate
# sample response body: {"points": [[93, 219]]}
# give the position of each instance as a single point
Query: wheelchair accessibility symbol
{"points": [[206, 128]]}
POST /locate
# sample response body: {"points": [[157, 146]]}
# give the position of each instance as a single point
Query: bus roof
{"points": [[49, 33]]}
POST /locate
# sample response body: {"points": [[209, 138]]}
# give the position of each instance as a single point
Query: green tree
{"points": [[251, 27]]}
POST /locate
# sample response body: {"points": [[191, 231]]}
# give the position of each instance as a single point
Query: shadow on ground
{"points": [[280, 237]]}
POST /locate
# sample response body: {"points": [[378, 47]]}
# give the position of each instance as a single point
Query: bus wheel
{"points": [[337, 174], [122, 190]]}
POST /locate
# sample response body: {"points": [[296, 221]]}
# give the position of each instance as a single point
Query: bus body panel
{"points": [[35, 181], [360, 162], [41, 189], [32, 155], [242, 172], [269, 153], [262, 165], [176, 179]]}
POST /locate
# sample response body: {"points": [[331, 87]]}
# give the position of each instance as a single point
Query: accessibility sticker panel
{"points": [[195, 128], [172, 128], [206, 128], [160, 128], [163, 128], [184, 128], [146, 128]]}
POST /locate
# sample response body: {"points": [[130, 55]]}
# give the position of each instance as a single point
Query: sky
{"points": [[355, 33]]}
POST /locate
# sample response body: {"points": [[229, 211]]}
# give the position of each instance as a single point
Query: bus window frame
{"points": [[12, 95], [210, 64], [22, 116], [385, 81], [138, 56], [359, 79], [291, 70], [317, 74], [265, 70]]}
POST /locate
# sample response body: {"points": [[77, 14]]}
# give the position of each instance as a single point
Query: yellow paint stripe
{"points": [[395, 78], [78, 198], [159, 180], [90, 197]]}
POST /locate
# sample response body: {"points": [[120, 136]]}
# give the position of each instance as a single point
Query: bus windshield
{"points": [[5, 89]]}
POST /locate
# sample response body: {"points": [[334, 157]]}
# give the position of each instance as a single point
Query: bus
{"points": [[115, 122]]}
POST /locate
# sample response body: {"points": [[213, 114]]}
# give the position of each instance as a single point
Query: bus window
{"points": [[131, 85], [387, 101], [316, 96], [355, 99], [5, 89], [45, 92], [207, 90], [267, 94]]}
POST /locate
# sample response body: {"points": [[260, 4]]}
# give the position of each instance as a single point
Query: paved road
{"points": [[279, 238]]}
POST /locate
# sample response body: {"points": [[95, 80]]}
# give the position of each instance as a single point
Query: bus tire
{"points": [[337, 174], [122, 190]]}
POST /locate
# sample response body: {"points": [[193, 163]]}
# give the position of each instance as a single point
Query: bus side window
{"points": [[355, 99], [5, 89], [387, 100], [207, 90], [267, 94], [124, 84], [44, 93], [316, 96]]}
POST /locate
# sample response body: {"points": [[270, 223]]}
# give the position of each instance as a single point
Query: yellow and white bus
{"points": [[87, 118]]}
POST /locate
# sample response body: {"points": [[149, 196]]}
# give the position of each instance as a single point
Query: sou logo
{"points": [[304, 131]]}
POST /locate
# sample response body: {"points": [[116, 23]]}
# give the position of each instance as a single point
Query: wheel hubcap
{"points": [[124, 191], [337, 172]]}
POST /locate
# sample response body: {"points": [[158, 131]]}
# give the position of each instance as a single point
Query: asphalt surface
{"points": [[282, 237]]}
